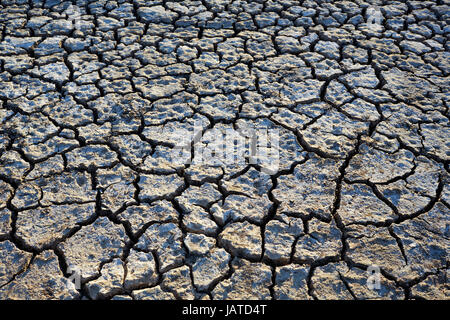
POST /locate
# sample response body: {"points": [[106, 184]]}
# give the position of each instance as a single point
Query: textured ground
{"points": [[88, 187]]}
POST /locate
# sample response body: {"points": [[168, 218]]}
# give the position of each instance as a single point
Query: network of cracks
{"points": [[93, 205]]}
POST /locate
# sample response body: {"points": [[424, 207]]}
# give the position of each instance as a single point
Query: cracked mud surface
{"points": [[86, 182]]}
